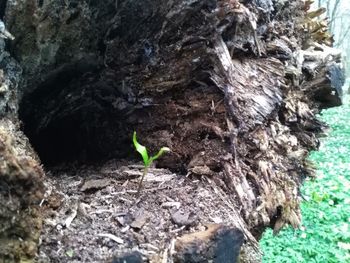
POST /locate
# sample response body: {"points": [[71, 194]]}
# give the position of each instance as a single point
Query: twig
{"points": [[112, 237]]}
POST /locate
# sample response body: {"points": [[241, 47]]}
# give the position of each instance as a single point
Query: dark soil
{"points": [[92, 212]]}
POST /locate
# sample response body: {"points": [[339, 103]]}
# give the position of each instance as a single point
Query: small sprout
{"points": [[146, 159]]}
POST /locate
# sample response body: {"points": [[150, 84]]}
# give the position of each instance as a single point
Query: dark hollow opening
{"points": [[78, 115]]}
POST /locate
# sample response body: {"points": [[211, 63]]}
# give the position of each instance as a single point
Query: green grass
{"points": [[325, 232]]}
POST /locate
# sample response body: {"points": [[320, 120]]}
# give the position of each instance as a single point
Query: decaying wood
{"points": [[225, 84], [21, 176], [325, 77], [217, 244], [21, 190]]}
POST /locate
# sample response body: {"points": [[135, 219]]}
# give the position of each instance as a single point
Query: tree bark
{"points": [[21, 176]]}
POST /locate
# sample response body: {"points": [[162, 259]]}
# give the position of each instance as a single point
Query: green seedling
{"points": [[146, 159]]}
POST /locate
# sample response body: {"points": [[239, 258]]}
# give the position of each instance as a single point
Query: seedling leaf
{"points": [[160, 153], [141, 149]]}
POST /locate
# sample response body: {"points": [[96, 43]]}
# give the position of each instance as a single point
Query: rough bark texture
{"points": [[224, 84], [21, 176]]}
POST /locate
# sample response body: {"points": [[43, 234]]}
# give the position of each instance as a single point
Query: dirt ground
{"points": [[92, 213]]}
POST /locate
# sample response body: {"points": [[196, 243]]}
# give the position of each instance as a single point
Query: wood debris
{"points": [[95, 184], [112, 237]]}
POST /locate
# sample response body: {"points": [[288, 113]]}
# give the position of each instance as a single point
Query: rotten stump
{"points": [[225, 84]]}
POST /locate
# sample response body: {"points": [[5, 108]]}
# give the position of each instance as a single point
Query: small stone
{"points": [[183, 218], [139, 221]]}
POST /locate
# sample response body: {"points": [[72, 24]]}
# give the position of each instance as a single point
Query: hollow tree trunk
{"points": [[219, 82]]}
